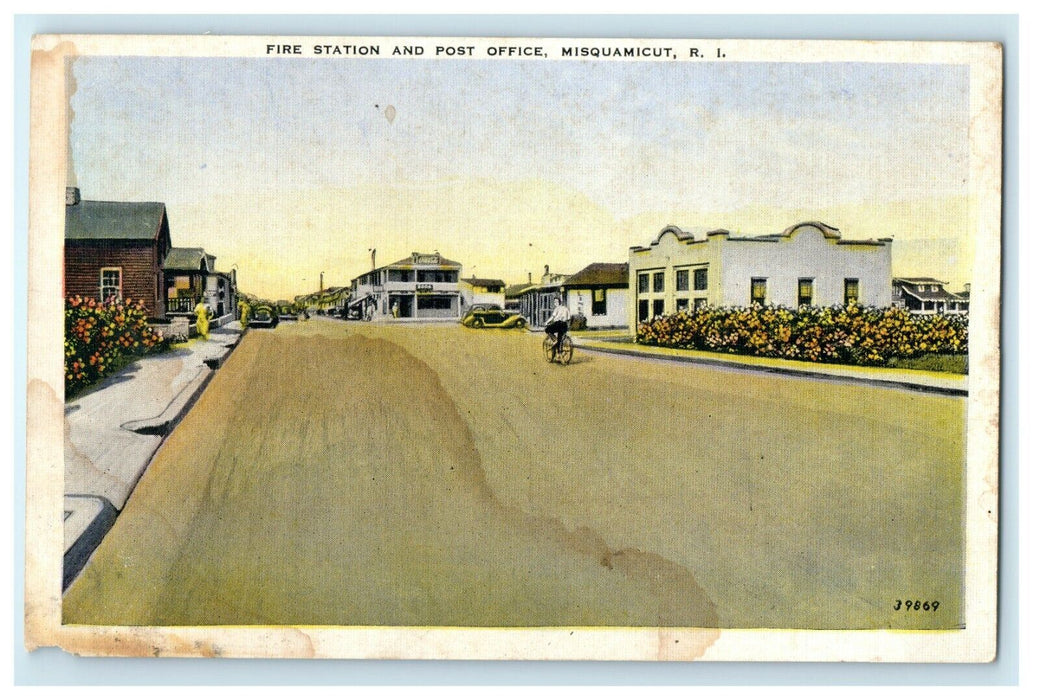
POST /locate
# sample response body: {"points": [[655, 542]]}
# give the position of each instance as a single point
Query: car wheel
{"points": [[478, 323], [520, 323]]}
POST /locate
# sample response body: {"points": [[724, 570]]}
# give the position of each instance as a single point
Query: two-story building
{"points": [[927, 296], [191, 277], [807, 264], [421, 286], [116, 250]]}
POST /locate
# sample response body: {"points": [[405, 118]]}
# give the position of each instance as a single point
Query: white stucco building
{"points": [[808, 264]]}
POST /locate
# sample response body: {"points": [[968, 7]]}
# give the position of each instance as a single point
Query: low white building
{"points": [[421, 286], [476, 290], [599, 292], [807, 264]]}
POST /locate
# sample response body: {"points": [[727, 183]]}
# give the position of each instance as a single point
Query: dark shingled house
{"points": [[116, 249], [927, 296]]}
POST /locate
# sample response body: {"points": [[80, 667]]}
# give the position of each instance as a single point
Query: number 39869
{"points": [[926, 605]]}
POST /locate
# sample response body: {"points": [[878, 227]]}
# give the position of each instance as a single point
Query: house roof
{"points": [[412, 259], [600, 274], [188, 259], [941, 295], [127, 221], [515, 290], [483, 282], [909, 286], [916, 280]]}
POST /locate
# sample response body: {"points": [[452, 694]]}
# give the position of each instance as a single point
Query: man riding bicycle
{"points": [[556, 326]]}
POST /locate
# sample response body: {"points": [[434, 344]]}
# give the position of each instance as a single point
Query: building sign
{"points": [[424, 287], [426, 259]]}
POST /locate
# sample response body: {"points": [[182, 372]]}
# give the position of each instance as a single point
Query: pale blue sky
{"points": [[670, 137]]}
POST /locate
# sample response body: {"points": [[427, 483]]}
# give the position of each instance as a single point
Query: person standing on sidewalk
{"points": [[243, 313], [202, 320], [556, 326]]}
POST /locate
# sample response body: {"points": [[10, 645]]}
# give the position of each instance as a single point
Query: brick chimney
{"points": [[71, 196]]}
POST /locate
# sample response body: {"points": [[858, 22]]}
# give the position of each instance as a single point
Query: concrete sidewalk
{"points": [[915, 380], [113, 430]]}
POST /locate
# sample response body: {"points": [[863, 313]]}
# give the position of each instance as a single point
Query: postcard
{"points": [[527, 348]]}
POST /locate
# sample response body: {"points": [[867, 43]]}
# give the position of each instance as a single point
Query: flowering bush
{"points": [[100, 337], [854, 334]]}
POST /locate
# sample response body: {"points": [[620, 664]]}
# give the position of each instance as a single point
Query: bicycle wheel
{"points": [[566, 350], [547, 348]]}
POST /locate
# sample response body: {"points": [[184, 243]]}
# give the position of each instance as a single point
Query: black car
{"points": [[263, 316]]}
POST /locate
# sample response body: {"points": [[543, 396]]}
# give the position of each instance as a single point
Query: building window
{"points": [[437, 276], [805, 286], [644, 310], [699, 302], [644, 283], [851, 291], [658, 282], [682, 304], [682, 280], [401, 275], [111, 283], [599, 302], [433, 302], [700, 279], [758, 291], [658, 306]]}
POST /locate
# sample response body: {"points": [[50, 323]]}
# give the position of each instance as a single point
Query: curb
{"points": [[164, 423], [88, 518], [792, 371]]}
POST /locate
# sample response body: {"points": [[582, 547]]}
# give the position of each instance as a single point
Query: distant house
{"points": [[476, 290], [514, 293], [538, 300], [191, 276], [423, 285], [116, 250], [806, 264], [600, 293], [927, 296]]}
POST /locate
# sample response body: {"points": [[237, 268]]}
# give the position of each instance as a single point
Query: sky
{"points": [[286, 169]]}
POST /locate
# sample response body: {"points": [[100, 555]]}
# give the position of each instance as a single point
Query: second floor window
{"points": [[700, 279], [682, 280], [644, 283], [658, 282]]}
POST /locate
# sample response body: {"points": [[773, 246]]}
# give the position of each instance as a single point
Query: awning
{"points": [[358, 302]]}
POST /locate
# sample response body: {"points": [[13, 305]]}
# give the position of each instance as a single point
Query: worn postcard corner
{"points": [[462, 348]]}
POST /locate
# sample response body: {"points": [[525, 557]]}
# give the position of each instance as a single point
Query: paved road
{"points": [[360, 474]]}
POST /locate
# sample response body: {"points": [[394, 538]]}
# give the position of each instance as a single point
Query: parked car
{"points": [[492, 318], [287, 311], [263, 316]]}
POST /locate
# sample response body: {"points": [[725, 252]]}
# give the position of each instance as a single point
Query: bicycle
{"points": [[566, 349]]}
